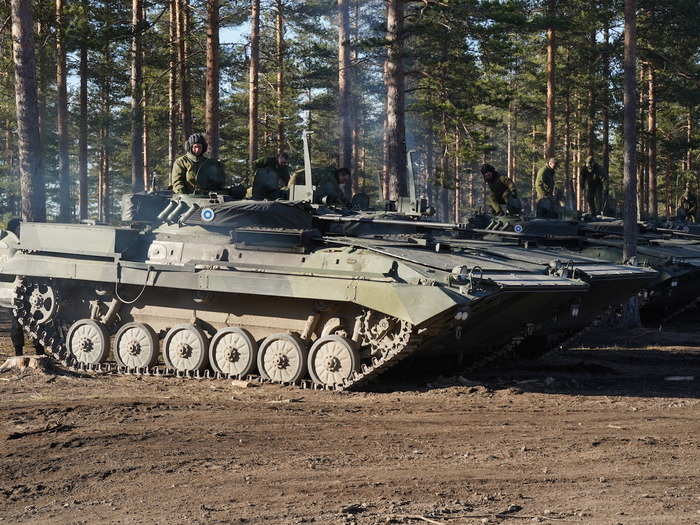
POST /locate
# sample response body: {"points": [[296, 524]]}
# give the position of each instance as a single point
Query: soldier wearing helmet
{"points": [[195, 173], [501, 193], [271, 177]]}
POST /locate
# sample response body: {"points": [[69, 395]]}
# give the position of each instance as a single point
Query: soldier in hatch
{"points": [[594, 178], [271, 177], [689, 203], [330, 183], [544, 189], [501, 190], [195, 173]]}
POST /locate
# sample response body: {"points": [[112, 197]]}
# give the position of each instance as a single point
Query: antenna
{"points": [[304, 192]]}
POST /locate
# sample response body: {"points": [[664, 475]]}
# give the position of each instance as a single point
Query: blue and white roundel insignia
{"points": [[208, 214], [518, 228]]}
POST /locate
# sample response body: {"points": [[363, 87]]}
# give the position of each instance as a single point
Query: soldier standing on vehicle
{"points": [[195, 173], [544, 189], [689, 203], [501, 191], [270, 177], [594, 178]]}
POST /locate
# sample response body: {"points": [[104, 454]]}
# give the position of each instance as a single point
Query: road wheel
{"points": [[88, 342], [282, 358], [136, 346], [233, 351], [185, 348], [332, 360]]}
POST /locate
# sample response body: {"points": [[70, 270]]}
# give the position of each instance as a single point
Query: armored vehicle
{"points": [[674, 257], [240, 286]]}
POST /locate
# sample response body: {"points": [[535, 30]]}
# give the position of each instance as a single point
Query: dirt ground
{"points": [[608, 433]]}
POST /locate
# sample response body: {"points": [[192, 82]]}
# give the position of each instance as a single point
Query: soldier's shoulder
{"points": [[182, 161]]}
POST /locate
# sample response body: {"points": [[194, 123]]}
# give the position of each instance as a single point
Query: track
{"points": [[42, 324]]}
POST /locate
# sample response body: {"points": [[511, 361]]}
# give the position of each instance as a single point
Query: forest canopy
{"points": [[121, 85]]}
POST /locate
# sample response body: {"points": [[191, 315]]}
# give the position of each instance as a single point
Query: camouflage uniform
{"points": [[192, 174], [544, 183], [500, 189], [593, 177], [544, 189], [689, 202], [269, 179], [327, 187]]}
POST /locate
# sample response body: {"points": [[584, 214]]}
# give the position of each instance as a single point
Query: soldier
{"points": [[544, 189], [689, 203], [594, 178], [330, 184], [501, 190], [195, 173], [271, 176]]}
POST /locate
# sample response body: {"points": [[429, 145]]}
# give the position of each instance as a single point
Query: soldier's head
{"points": [[589, 161], [283, 159], [13, 225], [197, 144], [488, 171], [552, 163], [342, 175]]}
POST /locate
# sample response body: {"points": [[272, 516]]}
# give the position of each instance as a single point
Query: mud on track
{"points": [[591, 435]]}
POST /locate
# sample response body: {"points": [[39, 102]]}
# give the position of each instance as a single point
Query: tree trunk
{"points": [[136, 97], [356, 103], [509, 142], [630, 150], [386, 180], [653, 197], [458, 180], [183, 69], [444, 193], [430, 162], [580, 199], [103, 197], [83, 128], [344, 85], [533, 195], [42, 90], [689, 137], [211, 104], [253, 82], [630, 132], [396, 130], [606, 103], [172, 85], [280, 51], [642, 181], [551, 47], [144, 113], [31, 177], [146, 159], [64, 199], [569, 195]]}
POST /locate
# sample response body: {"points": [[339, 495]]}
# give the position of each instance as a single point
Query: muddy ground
{"points": [[607, 433]]}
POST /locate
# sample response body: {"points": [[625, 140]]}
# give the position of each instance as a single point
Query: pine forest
{"points": [[97, 97]]}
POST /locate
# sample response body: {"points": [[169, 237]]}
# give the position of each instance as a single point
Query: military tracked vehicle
{"points": [[204, 285], [674, 257]]}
